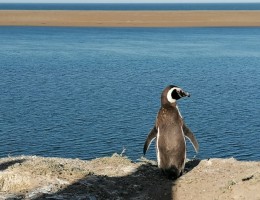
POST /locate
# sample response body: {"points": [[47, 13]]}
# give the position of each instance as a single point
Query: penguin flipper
{"points": [[149, 139], [191, 137]]}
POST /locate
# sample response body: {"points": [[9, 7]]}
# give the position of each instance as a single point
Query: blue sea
{"points": [[129, 6], [90, 92]]}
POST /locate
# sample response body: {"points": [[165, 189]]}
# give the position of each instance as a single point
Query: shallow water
{"points": [[90, 92]]}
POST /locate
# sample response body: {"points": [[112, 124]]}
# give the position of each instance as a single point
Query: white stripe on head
{"points": [[169, 94]]}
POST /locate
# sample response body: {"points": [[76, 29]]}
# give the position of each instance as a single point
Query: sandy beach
{"points": [[130, 18]]}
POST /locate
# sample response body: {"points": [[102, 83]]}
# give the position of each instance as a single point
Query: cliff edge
{"points": [[117, 177]]}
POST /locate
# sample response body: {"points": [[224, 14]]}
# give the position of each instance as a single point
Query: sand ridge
{"points": [[130, 18]]}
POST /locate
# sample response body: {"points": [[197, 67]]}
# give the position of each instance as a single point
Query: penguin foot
{"points": [[172, 173]]}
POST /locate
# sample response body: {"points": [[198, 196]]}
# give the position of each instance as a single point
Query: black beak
{"points": [[184, 94]]}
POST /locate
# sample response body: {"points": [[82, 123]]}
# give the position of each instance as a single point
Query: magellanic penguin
{"points": [[170, 131]]}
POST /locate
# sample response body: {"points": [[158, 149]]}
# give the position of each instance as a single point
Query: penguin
{"points": [[170, 131]]}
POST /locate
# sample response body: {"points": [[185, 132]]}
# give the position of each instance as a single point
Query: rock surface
{"points": [[117, 177]]}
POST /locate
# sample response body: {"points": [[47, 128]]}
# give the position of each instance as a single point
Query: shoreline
{"points": [[130, 18]]}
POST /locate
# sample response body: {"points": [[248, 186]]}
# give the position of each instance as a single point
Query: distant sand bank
{"points": [[129, 18]]}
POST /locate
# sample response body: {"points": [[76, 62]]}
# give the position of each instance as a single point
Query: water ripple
{"points": [[90, 92]]}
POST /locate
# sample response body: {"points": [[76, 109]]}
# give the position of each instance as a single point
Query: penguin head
{"points": [[171, 94]]}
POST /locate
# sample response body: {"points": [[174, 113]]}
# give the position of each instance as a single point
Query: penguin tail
{"points": [[172, 173]]}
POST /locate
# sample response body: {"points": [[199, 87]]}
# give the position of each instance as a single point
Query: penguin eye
{"points": [[175, 94]]}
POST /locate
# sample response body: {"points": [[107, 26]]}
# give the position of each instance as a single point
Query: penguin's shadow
{"points": [[190, 165], [146, 182]]}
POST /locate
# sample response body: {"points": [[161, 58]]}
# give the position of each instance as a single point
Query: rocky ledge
{"points": [[117, 177]]}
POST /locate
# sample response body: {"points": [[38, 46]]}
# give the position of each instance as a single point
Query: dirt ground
{"points": [[117, 177]]}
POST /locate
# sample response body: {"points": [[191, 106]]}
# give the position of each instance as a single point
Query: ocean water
{"points": [[91, 92], [130, 6]]}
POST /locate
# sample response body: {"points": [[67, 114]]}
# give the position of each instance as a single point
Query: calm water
{"points": [[90, 92], [131, 6]]}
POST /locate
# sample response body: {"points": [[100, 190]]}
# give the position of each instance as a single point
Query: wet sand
{"points": [[130, 18]]}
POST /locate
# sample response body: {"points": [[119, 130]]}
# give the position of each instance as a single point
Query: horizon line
{"points": [[131, 2]]}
